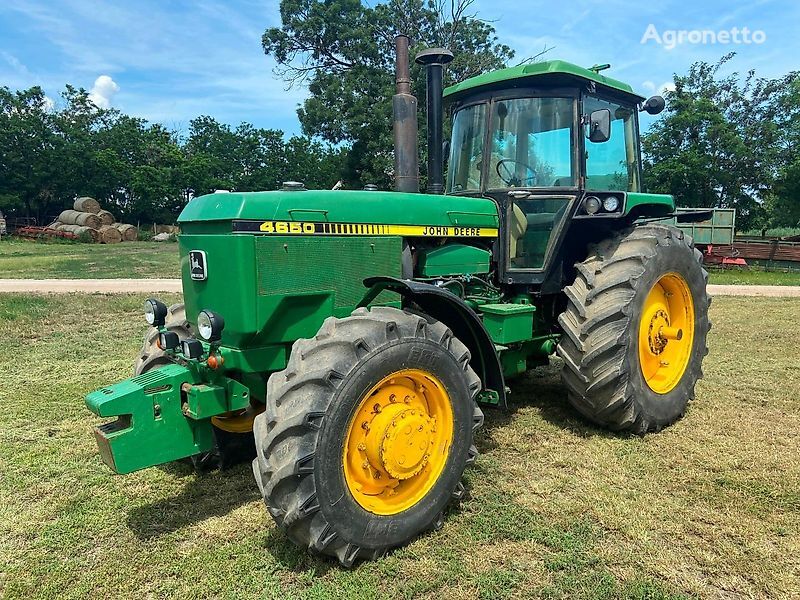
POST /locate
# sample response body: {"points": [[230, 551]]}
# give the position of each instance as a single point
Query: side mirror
{"points": [[654, 105], [600, 126]]}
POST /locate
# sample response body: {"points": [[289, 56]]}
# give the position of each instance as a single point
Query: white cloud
{"points": [[103, 91], [652, 88], [48, 104]]}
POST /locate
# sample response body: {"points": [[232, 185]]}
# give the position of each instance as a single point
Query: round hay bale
{"points": [[129, 232], [110, 235], [106, 218], [86, 204], [84, 219], [80, 230], [55, 225]]}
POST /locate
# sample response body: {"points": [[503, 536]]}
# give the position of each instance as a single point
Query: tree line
{"points": [[143, 172], [723, 141]]}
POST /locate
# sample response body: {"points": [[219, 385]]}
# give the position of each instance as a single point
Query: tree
{"points": [[29, 165], [719, 141], [344, 51]]}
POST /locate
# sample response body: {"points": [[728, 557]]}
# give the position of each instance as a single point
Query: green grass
{"points": [[558, 509], [21, 259], [752, 277], [776, 232]]}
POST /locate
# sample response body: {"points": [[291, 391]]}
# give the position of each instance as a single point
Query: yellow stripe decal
{"points": [[351, 229]]}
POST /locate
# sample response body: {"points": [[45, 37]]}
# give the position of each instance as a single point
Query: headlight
{"points": [[591, 205], [210, 325], [610, 203], [192, 348], [155, 312]]}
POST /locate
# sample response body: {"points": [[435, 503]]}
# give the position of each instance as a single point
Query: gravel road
{"points": [[147, 286]]}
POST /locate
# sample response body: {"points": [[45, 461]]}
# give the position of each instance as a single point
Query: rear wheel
{"points": [[367, 433], [635, 329]]}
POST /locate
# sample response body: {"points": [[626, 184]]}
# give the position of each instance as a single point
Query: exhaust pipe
{"points": [[433, 59], [404, 111]]}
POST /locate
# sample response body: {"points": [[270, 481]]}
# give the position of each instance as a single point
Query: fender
{"points": [[451, 310]]}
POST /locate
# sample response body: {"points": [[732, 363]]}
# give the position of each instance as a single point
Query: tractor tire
{"points": [[634, 331], [331, 409], [151, 356]]}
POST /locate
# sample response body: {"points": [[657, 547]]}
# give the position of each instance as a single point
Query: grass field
{"points": [[752, 277], [28, 260], [558, 509], [33, 260]]}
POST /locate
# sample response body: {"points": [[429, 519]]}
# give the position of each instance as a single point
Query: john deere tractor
{"points": [[345, 341]]}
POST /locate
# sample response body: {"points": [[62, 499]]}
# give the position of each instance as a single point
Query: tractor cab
{"points": [[542, 139]]}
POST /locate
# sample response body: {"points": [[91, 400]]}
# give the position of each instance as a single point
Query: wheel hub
{"points": [[666, 333], [395, 448]]}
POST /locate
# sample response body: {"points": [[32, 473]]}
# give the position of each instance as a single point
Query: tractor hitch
{"points": [[161, 415]]}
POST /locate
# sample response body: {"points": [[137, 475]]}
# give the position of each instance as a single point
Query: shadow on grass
{"points": [[219, 492], [207, 495], [542, 389]]}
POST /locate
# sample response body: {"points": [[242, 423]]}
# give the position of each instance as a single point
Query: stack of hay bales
{"points": [[88, 218]]}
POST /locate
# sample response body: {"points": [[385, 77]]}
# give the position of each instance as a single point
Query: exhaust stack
{"points": [[433, 59], [404, 111]]}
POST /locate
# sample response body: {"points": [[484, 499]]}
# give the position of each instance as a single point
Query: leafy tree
{"points": [[719, 141], [29, 165], [344, 51]]}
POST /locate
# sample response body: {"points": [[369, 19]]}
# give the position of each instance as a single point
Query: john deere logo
{"points": [[197, 265]]}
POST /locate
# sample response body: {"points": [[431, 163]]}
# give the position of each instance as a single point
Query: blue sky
{"points": [[171, 61]]}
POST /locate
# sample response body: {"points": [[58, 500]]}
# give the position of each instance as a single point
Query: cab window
{"points": [[612, 165], [532, 225], [531, 143], [464, 166]]}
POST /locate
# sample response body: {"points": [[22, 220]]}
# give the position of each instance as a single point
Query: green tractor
{"points": [[345, 341]]}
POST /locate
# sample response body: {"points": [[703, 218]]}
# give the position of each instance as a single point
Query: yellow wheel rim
{"points": [[666, 333], [398, 441]]}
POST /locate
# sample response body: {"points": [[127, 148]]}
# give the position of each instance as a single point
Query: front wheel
{"points": [[367, 432], [635, 329]]}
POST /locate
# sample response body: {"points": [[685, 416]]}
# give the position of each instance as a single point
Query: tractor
{"points": [[347, 341]]}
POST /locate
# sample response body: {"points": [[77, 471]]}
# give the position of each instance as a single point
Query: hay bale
{"points": [[129, 232], [106, 217], [110, 235], [84, 219], [86, 204], [55, 225], [80, 230]]}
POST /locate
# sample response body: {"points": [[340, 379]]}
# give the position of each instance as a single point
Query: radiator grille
{"points": [[290, 265]]}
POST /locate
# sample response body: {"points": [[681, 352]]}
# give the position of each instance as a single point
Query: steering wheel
{"points": [[510, 178]]}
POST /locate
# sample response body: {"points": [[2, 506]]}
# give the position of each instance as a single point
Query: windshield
{"points": [[531, 143], [613, 165]]}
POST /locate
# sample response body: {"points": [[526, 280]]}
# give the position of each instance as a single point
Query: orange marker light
{"points": [[214, 361]]}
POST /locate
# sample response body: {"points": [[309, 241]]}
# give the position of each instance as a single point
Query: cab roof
{"points": [[549, 69]]}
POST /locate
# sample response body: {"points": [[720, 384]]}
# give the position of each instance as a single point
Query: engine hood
{"points": [[342, 206]]}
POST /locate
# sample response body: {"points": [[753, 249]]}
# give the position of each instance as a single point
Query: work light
{"points": [[591, 205], [168, 340], [155, 312], [610, 204], [192, 348], [210, 325]]}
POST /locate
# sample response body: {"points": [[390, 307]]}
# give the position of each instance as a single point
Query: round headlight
{"points": [[155, 312], [591, 205], [209, 325], [610, 204]]}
